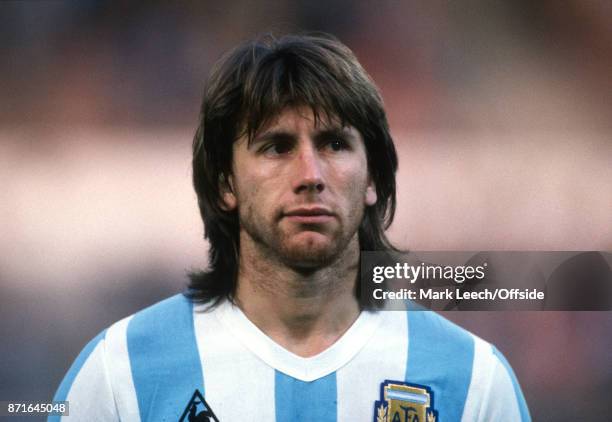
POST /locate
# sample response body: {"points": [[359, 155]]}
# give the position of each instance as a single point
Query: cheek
{"points": [[360, 191], [353, 184], [353, 177], [255, 197]]}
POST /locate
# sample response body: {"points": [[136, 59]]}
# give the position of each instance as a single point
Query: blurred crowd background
{"points": [[501, 112]]}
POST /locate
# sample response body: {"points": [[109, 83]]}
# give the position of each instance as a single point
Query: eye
{"points": [[337, 144], [276, 148]]}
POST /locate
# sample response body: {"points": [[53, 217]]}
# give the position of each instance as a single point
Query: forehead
{"points": [[302, 115]]}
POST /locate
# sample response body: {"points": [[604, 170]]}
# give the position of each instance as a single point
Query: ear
{"points": [[226, 189], [370, 193]]}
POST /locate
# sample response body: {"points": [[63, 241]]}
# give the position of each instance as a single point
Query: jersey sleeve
{"points": [[87, 388], [503, 399]]}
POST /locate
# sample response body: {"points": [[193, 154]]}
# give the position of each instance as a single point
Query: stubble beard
{"points": [[302, 255]]}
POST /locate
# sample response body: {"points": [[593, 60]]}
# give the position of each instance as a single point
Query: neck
{"points": [[303, 311]]}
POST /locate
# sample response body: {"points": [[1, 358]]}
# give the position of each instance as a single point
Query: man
{"points": [[294, 169]]}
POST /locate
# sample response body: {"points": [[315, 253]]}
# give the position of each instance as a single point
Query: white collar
{"points": [[305, 369]]}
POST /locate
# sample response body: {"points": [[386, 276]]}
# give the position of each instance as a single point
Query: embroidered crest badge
{"points": [[404, 402]]}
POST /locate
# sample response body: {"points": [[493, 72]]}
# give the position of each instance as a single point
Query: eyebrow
{"points": [[285, 135], [279, 135], [342, 132]]}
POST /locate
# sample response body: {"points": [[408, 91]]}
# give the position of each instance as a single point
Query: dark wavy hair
{"points": [[249, 86]]}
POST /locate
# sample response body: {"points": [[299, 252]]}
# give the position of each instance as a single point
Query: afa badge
{"points": [[404, 402]]}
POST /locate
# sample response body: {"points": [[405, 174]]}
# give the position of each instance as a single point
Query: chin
{"points": [[311, 251]]}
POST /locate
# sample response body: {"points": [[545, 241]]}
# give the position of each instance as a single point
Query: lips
{"points": [[309, 215]]}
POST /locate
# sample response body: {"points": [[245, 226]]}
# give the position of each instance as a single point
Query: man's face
{"points": [[300, 189]]}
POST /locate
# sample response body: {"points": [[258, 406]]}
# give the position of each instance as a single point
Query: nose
{"points": [[308, 175]]}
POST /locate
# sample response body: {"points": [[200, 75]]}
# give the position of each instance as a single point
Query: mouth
{"points": [[309, 215]]}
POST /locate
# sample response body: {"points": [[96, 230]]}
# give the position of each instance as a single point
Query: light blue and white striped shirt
{"points": [[148, 366]]}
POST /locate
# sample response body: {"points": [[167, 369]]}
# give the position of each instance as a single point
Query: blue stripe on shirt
{"points": [[520, 398], [164, 358], [64, 388], [302, 401], [440, 356]]}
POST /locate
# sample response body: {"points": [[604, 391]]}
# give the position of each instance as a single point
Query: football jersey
{"points": [[176, 361]]}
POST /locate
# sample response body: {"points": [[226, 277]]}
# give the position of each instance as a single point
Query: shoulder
{"points": [[147, 322], [495, 392], [87, 381], [174, 313], [430, 338], [166, 327], [470, 378], [431, 326], [121, 369], [163, 322]]}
